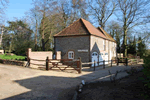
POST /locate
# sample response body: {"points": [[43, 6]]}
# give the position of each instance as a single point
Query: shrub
{"points": [[146, 80]]}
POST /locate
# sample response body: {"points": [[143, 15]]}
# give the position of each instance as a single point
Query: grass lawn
{"points": [[12, 57]]}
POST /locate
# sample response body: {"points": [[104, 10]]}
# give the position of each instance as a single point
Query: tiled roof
{"points": [[80, 27], [106, 34]]}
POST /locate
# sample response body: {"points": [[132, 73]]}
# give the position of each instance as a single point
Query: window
{"points": [[70, 55], [101, 53], [104, 45]]}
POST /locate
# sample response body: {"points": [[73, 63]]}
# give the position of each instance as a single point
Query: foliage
{"points": [[13, 57], [141, 48], [21, 37], [146, 80]]}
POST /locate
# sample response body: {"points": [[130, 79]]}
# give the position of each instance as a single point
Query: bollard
{"points": [[94, 65]]}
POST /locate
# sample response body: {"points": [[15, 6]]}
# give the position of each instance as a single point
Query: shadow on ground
{"points": [[43, 88]]}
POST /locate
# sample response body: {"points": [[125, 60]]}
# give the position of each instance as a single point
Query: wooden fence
{"points": [[125, 61], [74, 64]]}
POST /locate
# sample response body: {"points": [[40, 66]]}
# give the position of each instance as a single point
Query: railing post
{"points": [[47, 63], [94, 65], [111, 63], [80, 66], [103, 64]]}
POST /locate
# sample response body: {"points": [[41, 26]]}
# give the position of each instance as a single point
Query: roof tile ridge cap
{"points": [[66, 28], [85, 24]]}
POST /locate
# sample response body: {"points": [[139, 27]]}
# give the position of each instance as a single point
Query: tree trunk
{"points": [[125, 42]]}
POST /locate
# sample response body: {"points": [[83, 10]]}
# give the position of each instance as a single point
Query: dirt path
{"points": [[128, 88]]}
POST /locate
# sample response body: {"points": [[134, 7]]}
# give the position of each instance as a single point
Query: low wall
{"points": [[36, 56], [13, 62], [1, 51]]}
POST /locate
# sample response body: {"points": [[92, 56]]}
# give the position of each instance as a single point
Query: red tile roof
{"points": [[106, 34], [81, 27]]}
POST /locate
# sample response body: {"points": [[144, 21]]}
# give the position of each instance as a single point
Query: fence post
{"points": [[111, 63], [28, 59], [126, 61], [94, 65], [103, 64], [47, 63], [80, 66], [117, 61]]}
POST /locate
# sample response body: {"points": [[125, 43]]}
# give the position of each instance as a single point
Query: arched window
{"points": [[71, 55]]}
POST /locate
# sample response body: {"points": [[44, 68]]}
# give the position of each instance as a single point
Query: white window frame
{"points": [[71, 55]]}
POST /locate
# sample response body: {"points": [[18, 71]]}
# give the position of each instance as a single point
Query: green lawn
{"points": [[13, 57]]}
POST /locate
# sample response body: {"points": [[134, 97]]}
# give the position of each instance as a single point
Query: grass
{"points": [[13, 57]]}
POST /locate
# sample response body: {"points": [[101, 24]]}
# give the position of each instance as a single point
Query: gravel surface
{"points": [[19, 83]]}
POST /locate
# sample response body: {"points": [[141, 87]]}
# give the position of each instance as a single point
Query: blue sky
{"points": [[17, 8]]}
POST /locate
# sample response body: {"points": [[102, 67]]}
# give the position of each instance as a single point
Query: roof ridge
{"points": [[92, 25], [85, 24], [66, 27]]}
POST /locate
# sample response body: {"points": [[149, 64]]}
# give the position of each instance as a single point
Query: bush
{"points": [[146, 79]]}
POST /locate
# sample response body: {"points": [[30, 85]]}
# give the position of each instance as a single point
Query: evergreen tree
{"points": [[141, 48]]}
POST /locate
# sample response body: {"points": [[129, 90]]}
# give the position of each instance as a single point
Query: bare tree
{"points": [[102, 10], [132, 14], [46, 10]]}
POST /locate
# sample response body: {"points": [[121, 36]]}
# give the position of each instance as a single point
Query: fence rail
{"points": [[104, 63], [75, 64]]}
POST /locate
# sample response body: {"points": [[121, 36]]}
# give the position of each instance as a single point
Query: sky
{"points": [[17, 8]]}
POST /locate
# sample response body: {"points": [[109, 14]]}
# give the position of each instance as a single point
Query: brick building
{"points": [[82, 39]]}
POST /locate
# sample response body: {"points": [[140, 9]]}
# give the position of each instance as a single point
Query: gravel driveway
{"points": [[19, 83]]}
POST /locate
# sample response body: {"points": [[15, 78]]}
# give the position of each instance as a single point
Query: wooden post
{"points": [[117, 61], [47, 63], [28, 61], [80, 66], [94, 65], [103, 64], [111, 63], [126, 61]]}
